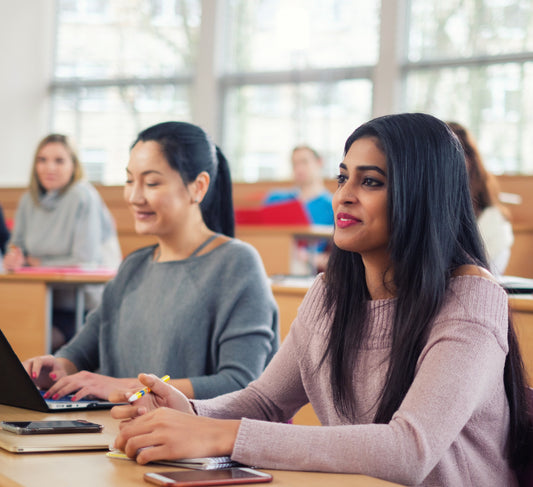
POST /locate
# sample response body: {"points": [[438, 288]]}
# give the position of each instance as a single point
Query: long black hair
{"points": [[189, 151], [433, 231]]}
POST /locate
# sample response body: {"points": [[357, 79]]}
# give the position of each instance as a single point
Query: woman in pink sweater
{"points": [[404, 347]]}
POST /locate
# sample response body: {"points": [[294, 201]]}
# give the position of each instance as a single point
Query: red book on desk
{"points": [[286, 213], [66, 270]]}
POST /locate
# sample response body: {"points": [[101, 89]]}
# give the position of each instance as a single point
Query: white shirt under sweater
{"points": [[498, 238], [450, 430]]}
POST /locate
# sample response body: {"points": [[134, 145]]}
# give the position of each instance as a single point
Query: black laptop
{"points": [[17, 389]]}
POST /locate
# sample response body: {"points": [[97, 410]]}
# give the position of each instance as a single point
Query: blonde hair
{"points": [[36, 188]]}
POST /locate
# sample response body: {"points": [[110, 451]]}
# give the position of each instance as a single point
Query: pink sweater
{"points": [[450, 430]]}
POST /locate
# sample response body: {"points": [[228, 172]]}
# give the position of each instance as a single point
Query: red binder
{"points": [[290, 212]]}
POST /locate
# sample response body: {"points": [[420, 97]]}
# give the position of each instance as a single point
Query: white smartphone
{"points": [[229, 476], [51, 427]]}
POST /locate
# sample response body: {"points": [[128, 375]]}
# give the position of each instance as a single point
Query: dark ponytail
{"points": [[217, 206], [189, 151]]}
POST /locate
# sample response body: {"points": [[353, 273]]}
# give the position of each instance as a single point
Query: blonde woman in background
{"points": [[62, 221]]}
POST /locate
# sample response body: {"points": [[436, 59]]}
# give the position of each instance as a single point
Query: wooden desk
{"points": [[275, 243], [26, 306], [94, 469]]}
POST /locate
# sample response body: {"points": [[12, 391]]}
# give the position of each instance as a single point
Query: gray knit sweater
{"points": [[67, 229], [450, 430], [211, 318], [74, 228]]}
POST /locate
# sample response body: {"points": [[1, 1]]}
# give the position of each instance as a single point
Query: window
{"points": [[272, 74], [264, 122], [471, 61], [295, 72], [120, 67]]}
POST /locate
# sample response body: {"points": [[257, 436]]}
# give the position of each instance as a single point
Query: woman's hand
{"points": [[85, 383], [45, 370], [33, 261], [14, 259], [161, 395], [165, 434]]}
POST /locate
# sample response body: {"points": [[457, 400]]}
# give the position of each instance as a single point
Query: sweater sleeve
{"points": [[457, 371], [276, 396], [83, 350], [246, 333]]}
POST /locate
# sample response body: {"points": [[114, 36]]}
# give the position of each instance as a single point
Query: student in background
{"points": [[4, 233], [62, 221], [309, 256], [492, 217], [196, 306], [307, 166], [404, 347]]}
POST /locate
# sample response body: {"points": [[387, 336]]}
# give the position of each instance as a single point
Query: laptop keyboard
{"points": [[66, 402]]}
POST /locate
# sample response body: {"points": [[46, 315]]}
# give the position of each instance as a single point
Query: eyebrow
{"points": [[365, 168], [149, 171]]}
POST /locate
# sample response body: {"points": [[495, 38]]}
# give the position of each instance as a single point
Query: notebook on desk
{"points": [[45, 443], [66, 270], [17, 389], [516, 285]]}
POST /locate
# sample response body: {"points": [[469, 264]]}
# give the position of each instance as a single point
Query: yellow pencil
{"points": [[145, 390]]}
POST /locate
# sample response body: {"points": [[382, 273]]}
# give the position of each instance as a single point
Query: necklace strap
{"points": [[195, 252], [203, 245]]}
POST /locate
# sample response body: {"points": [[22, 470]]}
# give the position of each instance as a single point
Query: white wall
{"points": [[26, 49]]}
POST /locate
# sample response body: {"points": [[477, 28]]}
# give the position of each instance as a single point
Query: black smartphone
{"points": [[192, 478], [51, 427]]}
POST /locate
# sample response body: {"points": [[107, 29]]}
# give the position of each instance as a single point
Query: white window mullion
{"points": [[387, 73], [205, 99]]}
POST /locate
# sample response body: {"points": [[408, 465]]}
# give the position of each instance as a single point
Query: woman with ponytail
{"points": [[404, 347], [196, 306]]}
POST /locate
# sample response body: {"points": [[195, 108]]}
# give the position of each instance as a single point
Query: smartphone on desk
{"points": [[51, 427], [229, 476]]}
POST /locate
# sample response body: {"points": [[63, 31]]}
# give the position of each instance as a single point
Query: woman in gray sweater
{"points": [[404, 347], [197, 306], [62, 221]]}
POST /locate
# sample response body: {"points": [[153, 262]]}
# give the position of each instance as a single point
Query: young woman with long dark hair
{"points": [[404, 347]]}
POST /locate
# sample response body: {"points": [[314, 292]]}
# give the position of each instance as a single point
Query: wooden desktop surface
{"points": [[94, 469], [24, 301]]}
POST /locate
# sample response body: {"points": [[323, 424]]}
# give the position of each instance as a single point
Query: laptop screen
{"points": [[17, 389]]}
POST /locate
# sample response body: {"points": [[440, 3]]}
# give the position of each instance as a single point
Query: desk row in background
{"points": [[26, 304]]}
